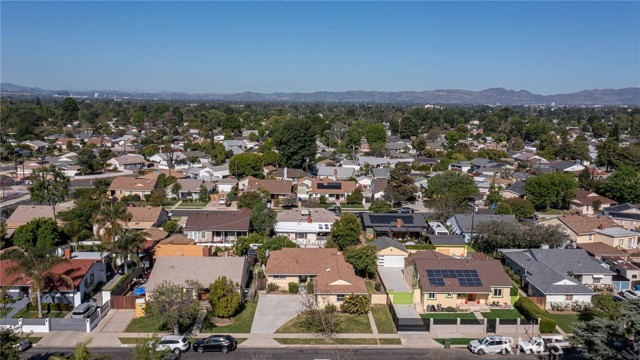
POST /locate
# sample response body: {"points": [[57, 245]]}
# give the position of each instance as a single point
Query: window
{"points": [[596, 280], [279, 277], [568, 298], [630, 243], [590, 237], [301, 236], [620, 242], [203, 235], [339, 297], [320, 226], [326, 226], [497, 292], [431, 296], [449, 295]]}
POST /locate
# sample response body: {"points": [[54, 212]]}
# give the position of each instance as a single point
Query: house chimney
{"points": [[601, 226], [398, 223], [309, 218], [335, 173], [67, 253]]}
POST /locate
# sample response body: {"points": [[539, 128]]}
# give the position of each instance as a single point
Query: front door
{"points": [[470, 297]]}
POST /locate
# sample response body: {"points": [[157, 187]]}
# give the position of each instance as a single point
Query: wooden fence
{"points": [[123, 302], [541, 301]]}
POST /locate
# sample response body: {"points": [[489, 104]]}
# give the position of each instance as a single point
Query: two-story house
{"points": [[305, 227]]}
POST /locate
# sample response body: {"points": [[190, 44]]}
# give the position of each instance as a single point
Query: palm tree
{"points": [[127, 245], [109, 220], [36, 265]]}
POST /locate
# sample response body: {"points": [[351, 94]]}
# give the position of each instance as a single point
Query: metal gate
{"points": [[491, 326]]}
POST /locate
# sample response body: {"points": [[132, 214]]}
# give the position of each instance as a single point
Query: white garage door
{"points": [[391, 261]]}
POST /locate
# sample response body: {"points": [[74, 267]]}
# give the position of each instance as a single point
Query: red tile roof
{"points": [[76, 269]]}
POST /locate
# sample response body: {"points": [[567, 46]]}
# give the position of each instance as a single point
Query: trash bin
{"points": [[447, 344]]}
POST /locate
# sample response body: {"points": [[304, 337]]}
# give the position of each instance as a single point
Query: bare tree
{"points": [[324, 322], [343, 353]]}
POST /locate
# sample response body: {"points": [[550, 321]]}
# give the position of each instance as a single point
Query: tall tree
{"points": [[224, 297], [345, 232], [263, 218], [296, 143], [172, 306], [448, 193], [400, 186], [363, 258], [50, 186], [40, 233], [552, 190], [128, 245], [375, 134], [247, 164], [623, 185], [110, 219]]}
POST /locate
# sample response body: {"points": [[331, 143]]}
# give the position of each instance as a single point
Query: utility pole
{"points": [[473, 216]]}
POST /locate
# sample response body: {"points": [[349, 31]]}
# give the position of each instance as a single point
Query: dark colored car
{"points": [[223, 343], [335, 208], [130, 265], [405, 210]]}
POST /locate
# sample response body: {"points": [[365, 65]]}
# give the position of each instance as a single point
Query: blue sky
{"points": [[224, 47]]}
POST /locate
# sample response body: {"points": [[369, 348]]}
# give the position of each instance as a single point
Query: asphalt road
{"points": [[296, 354]]}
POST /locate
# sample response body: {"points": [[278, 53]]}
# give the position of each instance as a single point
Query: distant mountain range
{"points": [[627, 96]]}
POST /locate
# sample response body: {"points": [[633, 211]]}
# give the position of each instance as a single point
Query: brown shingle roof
{"points": [[177, 239], [219, 220], [204, 270], [144, 214], [344, 187], [601, 249], [490, 272], [291, 173], [130, 159], [275, 187], [333, 274], [587, 198], [155, 234], [586, 225], [25, 213], [132, 184]]}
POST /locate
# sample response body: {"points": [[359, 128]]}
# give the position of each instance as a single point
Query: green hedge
{"points": [[531, 311], [421, 247], [293, 288], [514, 291]]}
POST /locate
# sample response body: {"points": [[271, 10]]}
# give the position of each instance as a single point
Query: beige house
{"points": [[128, 186], [221, 228], [391, 253], [618, 238], [440, 281], [450, 245], [580, 229], [584, 200], [332, 277], [25, 213]]}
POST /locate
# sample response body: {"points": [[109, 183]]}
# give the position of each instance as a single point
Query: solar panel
{"points": [[391, 219], [466, 278], [330, 185]]}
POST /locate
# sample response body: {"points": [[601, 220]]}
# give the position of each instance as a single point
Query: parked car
{"points": [[23, 345], [543, 344], [130, 265], [490, 345], [335, 208], [84, 310], [223, 343], [222, 201], [405, 210], [629, 294], [175, 343], [618, 298]]}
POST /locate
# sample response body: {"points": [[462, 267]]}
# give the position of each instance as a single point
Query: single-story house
{"points": [[391, 252], [626, 215], [438, 281], [580, 229], [333, 190], [436, 228], [452, 245], [335, 173], [600, 250], [220, 228], [397, 226], [305, 227], [189, 188], [461, 224], [144, 217], [559, 275], [333, 278], [128, 186], [131, 162], [163, 159], [211, 173], [225, 185], [25, 213], [568, 166], [516, 190], [286, 173], [276, 188], [583, 202]]}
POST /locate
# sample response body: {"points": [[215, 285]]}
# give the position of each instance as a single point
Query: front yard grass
{"points": [[456, 341], [383, 319], [502, 314], [318, 341], [371, 289], [350, 324], [34, 339], [565, 321], [145, 324], [191, 205], [30, 314], [390, 342], [448, 315], [241, 323]]}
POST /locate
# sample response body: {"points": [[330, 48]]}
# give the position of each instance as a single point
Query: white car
{"points": [[222, 201], [175, 343], [630, 294], [543, 344], [490, 345]]}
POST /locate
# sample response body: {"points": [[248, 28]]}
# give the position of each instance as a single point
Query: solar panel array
{"points": [[330, 185], [467, 278], [388, 219]]}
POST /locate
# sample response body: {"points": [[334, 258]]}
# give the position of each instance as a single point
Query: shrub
{"points": [[310, 287], [377, 286], [330, 308], [271, 287], [514, 291], [547, 326], [421, 247], [531, 311], [356, 304], [293, 288]]}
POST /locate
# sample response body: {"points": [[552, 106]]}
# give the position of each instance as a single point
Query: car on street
{"points": [[23, 345], [490, 345], [405, 210], [630, 294], [543, 344], [222, 343], [175, 343]]}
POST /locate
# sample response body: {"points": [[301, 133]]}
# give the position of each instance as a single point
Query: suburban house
{"points": [[335, 173], [601, 250], [211, 173], [286, 173], [451, 245], [190, 188], [164, 159], [436, 228], [391, 252], [305, 227], [618, 237], [144, 217], [204, 270], [462, 224], [397, 226], [25, 213], [516, 190], [182, 250], [567, 166], [623, 268], [333, 278], [225, 185], [220, 228], [84, 274], [276, 188], [626, 215], [440, 281], [377, 188], [333, 190], [558, 275], [130, 162], [584, 200], [122, 186], [580, 229]]}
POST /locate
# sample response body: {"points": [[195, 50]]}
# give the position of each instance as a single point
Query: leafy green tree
{"points": [[175, 189], [171, 226], [9, 339], [173, 307], [296, 143], [380, 206], [203, 193], [356, 304], [493, 235], [87, 160], [521, 208], [250, 199], [41, 233], [375, 134], [623, 185], [408, 127], [552, 190], [363, 258], [224, 297], [400, 186], [247, 164], [70, 109], [50, 186], [448, 193], [494, 195], [157, 197], [272, 244], [242, 245], [355, 197], [263, 218], [345, 232], [127, 246]]}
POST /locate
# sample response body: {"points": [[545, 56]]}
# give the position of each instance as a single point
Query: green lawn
{"points": [[317, 341], [34, 339], [370, 287], [191, 205], [448, 315], [502, 314], [456, 341], [241, 323], [390, 342], [383, 319], [565, 321], [351, 324], [26, 314], [130, 340], [401, 298], [143, 324]]}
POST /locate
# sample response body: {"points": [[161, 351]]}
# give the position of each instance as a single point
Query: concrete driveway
{"points": [[274, 311], [393, 279]]}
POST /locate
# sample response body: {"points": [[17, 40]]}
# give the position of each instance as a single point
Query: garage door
{"points": [[391, 261]]}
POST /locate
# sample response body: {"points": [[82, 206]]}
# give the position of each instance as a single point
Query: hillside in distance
{"points": [[626, 96]]}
